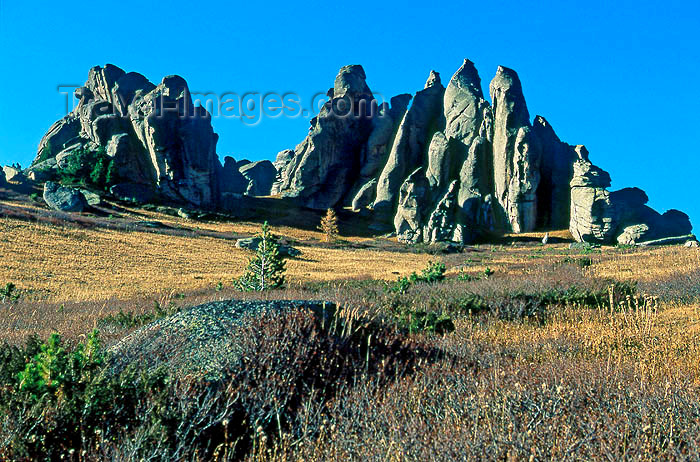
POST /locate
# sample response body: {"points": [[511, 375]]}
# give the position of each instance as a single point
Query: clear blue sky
{"points": [[620, 77]]}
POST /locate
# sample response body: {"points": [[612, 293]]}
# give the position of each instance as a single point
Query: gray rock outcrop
{"points": [[252, 243], [593, 215], [259, 177], [326, 164], [599, 216], [153, 134], [410, 217], [556, 173], [202, 341], [12, 174], [231, 180], [412, 139], [516, 153], [63, 198], [452, 167]]}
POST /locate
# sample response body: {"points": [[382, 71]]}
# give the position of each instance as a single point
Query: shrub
{"points": [[88, 167], [266, 268], [416, 321], [130, 320], [56, 400], [434, 272], [329, 226], [583, 262], [9, 292]]}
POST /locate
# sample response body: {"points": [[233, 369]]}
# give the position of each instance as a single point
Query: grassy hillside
{"points": [[556, 353]]}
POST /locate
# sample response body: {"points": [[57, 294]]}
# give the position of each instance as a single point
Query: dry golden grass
{"points": [[649, 264], [71, 264], [512, 387]]}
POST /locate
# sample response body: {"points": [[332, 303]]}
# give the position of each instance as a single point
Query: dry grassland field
{"points": [[533, 352]]}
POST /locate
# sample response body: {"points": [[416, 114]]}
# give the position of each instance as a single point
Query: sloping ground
{"points": [[201, 341], [78, 257]]}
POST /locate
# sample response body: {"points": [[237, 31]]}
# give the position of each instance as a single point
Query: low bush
{"points": [[434, 272], [417, 321], [9, 292], [129, 319], [62, 401], [88, 167]]}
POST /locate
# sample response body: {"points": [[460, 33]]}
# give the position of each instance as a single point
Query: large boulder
{"points": [[64, 198], [62, 133], [252, 243], [259, 176], [232, 181], [202, 341], [594, 218], [42, 171], [13, 174]]}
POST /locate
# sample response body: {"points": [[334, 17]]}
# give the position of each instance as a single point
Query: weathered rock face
{"points": [[231, 179], [377, 149], [63, 198], [593, 214], [252, 243], [157, 139], [409, 217], [414, 135], [12, 174], [599, 216], [282, 161], [516, 153], [556, 173], [327, 163], [453, 167], [259, 177]]}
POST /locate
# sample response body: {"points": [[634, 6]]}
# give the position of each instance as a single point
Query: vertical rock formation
{"points": [[593, 214], [468, 129], [378, 147], [516, 153], [260, 176], [155, 137], [556, 173], [419, 123], [622, 217], [231, 180], [327, 163], [453, 167]]}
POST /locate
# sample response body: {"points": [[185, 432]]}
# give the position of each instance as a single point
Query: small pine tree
{"points": [[329, 226], [266, 268]]}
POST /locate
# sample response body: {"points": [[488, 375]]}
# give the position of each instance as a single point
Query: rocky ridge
{"points": [[450, 166], [160, 145], [442, 165]]}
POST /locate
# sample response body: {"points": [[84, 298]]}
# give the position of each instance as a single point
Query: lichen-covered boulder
{"points": [[64, 198], [202, 341]]}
